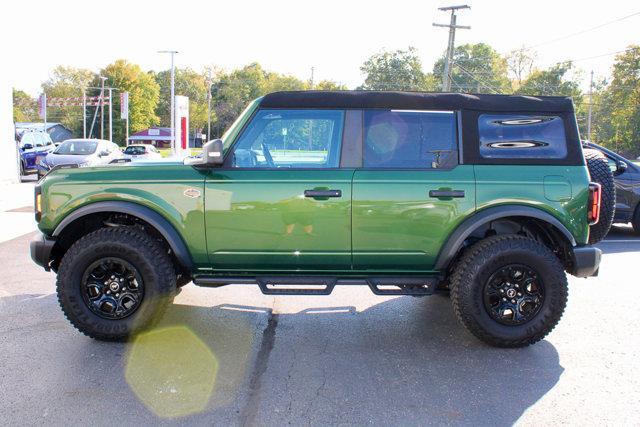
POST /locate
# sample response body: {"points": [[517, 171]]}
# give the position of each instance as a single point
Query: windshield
{"points": [[231, 133], [133, 150], [77, 147]]}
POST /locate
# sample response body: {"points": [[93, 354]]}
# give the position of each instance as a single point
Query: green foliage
{"points": [[25, 108], [188, 83], [396, 70], [328, 85], [233, 91], [144, 94], [616, 108], [552, 81], [476, 68], [68, 82]]}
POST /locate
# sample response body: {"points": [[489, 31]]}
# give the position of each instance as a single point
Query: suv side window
{"points": [[409, 139], [516, 136], [290, 139]]}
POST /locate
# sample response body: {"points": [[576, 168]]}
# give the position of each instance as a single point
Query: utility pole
{"points": [[102, 107], [173, 99], [209, 83], [446, 73], [590, 105], [84, 113], [111, 114], [312, 70]]}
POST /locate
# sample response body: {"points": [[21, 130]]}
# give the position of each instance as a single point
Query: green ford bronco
{"points": [[483, 197]]}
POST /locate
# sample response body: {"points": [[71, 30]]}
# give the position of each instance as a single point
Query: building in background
{"points": [[160, 137]]}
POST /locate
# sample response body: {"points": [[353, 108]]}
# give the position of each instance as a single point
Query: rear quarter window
{"points": [[522, 136]]}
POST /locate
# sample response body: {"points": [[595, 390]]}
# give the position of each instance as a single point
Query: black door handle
{"points": [[446, 193], [322, 193]]}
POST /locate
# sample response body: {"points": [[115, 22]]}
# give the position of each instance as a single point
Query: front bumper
{"points": [[586, 261], [40, 247]]}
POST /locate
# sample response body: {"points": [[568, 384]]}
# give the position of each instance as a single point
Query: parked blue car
{"points": [[33, 145]]}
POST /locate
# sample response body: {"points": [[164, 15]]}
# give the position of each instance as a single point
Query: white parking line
{"points": [[620, 241]]}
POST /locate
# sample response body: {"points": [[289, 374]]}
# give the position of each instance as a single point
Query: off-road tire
{"points": [[134, 246], [601, 173], [475, 267]]}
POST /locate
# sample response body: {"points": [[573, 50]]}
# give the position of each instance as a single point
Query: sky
{"points": [[334, 37]]}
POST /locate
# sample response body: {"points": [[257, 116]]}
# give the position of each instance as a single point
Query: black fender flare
{"points": [[153, 218], [480, 218]]}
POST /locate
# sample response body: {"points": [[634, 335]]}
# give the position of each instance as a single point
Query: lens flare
{"points": [[172, 371]]}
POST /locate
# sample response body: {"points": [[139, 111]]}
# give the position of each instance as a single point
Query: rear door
{"points": [[411, 192], [282, 202]]}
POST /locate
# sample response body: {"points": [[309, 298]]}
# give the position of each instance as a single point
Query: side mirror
{"points": [[622, 167], [27, 147], [212, 155], [103, 154]]}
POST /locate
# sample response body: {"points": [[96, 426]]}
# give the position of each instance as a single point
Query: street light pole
{"points": [[209, 84], [111, 114], [173, 106], [446, 73]]}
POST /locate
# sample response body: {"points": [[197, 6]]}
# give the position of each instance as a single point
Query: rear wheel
{"points": [[509, 290], [114, 282], [601, 173]]}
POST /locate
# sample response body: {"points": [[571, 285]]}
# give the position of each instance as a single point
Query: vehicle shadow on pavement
{"points": [[402, 361]]}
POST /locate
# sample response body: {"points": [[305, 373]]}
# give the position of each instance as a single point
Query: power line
{"points": [[583, 31]]}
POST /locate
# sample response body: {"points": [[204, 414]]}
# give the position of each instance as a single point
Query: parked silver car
{"points": [[141, 151], [80, 152]]}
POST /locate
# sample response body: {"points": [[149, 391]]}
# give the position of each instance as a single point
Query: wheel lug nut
{"points": [[504, 299], [113, 277], [519, 294], [117, 295], [512, 301], [502, 291], [108, 292], [517, 286], [121, 279]]}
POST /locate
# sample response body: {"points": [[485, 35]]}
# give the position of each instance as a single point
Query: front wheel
{"points": [[509, 290], [114, 282]]}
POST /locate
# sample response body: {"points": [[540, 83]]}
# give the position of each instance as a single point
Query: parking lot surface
{"points": [[234, 356]]}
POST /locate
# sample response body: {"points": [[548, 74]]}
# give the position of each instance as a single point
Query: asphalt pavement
{"points": [[232, 356]]}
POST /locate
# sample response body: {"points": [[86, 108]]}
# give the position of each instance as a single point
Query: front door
{"points": [[411, 193], [281, 202]]}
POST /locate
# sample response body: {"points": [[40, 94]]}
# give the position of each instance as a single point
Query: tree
{"points": [[619, 122], [144, 94], [476, 68], [552, 81], [188, 83], [396, 70], [520, 64], [68, 82], [233, 91], [25, 108], [328, 85]]}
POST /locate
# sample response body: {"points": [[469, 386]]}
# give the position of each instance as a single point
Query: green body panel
{"points": [[397, 226], [260, 220], [157, 186], [561, 191]]}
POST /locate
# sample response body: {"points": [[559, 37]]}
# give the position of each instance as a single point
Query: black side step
{"points": [[402, 285], [296, 285], [317, 285]]}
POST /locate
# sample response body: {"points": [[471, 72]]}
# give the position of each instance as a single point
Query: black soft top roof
{"points": [[416, 101]]}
